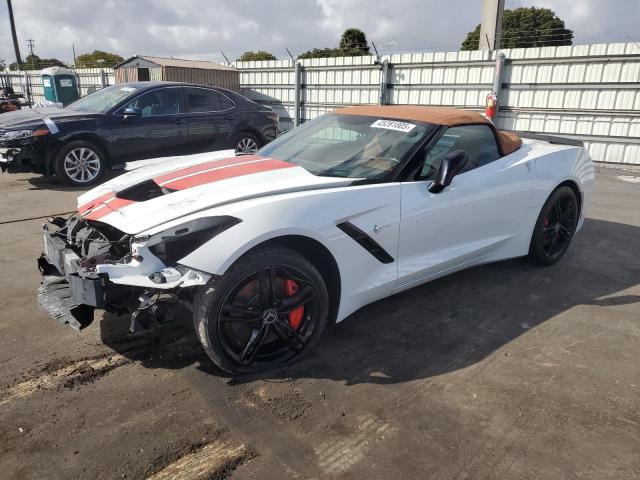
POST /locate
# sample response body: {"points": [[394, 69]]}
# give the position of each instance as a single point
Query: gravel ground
{"points": [[502, 371]]}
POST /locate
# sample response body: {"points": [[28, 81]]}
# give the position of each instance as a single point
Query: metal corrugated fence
{"points": [[88, 79], [589, 92]]}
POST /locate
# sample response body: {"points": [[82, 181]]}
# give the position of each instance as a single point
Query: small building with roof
{"points": [[147, 68]]}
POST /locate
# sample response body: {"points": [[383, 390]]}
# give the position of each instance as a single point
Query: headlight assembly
{"points": [[177, 242], [19, 134]]}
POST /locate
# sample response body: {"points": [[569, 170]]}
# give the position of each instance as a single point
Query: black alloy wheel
{"points": [[262, 317], [555, 227]]}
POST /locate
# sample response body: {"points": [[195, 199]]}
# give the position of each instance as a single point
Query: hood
{"points": [[150, 196], [33, 117]]}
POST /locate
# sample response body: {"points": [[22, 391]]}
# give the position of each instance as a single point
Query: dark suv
{"points": [[131, 121]]}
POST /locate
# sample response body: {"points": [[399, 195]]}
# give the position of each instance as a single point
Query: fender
{"points": [[316, 215]]}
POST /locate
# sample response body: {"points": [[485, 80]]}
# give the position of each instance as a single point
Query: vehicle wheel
{"points": [[555, 227], [79, 163], [265, 312], [246, 144]]}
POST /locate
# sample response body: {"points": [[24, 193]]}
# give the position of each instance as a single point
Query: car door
{"points": [[467, 221], [209, 120], [159, 130]]}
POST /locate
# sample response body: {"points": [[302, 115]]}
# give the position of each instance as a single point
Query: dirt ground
{"points": [[500, 372]]}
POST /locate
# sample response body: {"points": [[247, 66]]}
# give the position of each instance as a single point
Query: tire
{"points": [[79, 163], [243, 330], [246, 143], [555, 227]]}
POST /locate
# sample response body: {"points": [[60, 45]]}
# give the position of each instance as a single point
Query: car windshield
{"points": [[103, 100], [352, 146]]}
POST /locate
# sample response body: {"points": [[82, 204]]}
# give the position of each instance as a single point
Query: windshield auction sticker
{"points": [[393, 125]]}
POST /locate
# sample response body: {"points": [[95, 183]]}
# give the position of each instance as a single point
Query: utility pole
{"points": [[491, 25], [16, 48], [30, 44], [73, 47]]}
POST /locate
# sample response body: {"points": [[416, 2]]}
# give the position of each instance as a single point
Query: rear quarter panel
{"points": [[556, 164]]}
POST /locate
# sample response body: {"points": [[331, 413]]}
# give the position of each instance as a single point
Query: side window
{"points": [[477, 140], [164, 101], [225, 103], [205, 100]]}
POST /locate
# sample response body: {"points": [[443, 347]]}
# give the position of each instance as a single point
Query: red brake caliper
{"points": [[295, 317]]}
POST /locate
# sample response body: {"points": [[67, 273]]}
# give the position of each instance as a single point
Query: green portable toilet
{"points": [[60, 85]]}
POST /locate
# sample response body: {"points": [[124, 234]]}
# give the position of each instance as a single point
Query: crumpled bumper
{"points": [[66, 293]]}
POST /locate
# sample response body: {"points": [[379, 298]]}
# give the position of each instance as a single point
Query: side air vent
{"points": [[366, 242], [144, 191]]}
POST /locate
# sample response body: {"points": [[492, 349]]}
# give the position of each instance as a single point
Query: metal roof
{"points": [[178, 62]]}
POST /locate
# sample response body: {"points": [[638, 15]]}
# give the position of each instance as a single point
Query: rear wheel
{"points": [[555, 227], [246, 143], [265, 312], [79, 163]]}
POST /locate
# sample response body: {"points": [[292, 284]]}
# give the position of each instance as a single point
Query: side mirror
{"points": [[132, 112], [452, 164]]}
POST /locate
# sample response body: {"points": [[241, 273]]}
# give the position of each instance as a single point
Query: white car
{"points": [[349, 208]]}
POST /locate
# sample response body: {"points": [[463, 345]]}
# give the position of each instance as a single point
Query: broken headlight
{"points": [[179, 241]]}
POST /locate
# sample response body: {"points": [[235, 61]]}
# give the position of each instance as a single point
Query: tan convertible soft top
{"points": [[450, 117]]}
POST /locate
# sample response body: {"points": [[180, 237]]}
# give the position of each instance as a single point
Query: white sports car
{"points": [[347, 209]]}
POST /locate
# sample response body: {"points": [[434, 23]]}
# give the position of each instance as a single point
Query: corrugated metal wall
{"points": [[590, 92], [229, 79], [270, 83], [126, 74]]}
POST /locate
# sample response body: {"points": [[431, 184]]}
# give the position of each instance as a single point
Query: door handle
{"points": [[179, 121]]}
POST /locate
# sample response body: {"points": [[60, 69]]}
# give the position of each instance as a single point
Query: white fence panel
{"points": [[89, 79], [589, 92]]}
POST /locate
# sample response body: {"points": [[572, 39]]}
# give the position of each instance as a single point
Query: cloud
{"points": [[198, 28]]}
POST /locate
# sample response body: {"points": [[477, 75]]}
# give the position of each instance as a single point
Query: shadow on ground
{"points": [[438, 327], [43, 182]]}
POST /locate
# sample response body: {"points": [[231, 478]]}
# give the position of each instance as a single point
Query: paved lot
{"points": [[500, 372]]}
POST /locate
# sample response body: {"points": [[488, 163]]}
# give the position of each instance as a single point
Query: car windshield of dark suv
{"points": [[352, 146], [103, 100]]}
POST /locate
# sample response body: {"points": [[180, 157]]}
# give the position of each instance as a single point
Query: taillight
{"points": [[273, 116]]}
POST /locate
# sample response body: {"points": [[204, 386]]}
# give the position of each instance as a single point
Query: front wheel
{"points": [[265, 312], [79, 163], [555, 227]]}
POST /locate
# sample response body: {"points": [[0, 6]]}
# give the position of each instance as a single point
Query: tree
{"points": [[3, 64], [34, 62], [97, 59], [256, 56], [322, 53], [353, 43], [526, 27]]}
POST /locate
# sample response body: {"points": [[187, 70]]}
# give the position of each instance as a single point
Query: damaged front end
{"points": [[88, 265]]}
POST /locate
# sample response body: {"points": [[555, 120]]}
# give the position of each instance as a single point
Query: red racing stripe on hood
{"points": [[95, 202], [217, 172], [201, 167], [105, 207]]}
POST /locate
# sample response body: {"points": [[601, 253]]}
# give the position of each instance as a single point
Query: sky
{"points": [[200, 28]]}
